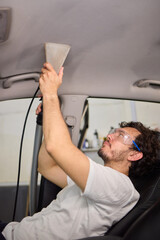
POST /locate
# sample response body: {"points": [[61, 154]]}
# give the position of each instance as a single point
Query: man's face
{"points": [[116, 148]]}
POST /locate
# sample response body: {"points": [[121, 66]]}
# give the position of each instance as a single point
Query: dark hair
{"points": [[149, 143]]}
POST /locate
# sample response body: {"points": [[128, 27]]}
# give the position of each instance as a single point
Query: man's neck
{"points": [[118, 166]]}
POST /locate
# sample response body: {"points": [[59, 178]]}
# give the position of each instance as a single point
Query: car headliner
{"points": [[114, 43]]}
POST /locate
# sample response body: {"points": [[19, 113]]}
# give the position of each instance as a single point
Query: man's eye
{"points": [[120, 134]]}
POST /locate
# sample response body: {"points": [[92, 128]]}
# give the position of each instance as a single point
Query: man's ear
{"points": [[135, 155]]}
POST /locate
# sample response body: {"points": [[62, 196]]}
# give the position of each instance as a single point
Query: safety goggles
{"points": [[123, 137]]}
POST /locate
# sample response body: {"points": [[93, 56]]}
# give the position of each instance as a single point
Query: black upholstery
{"points": [[149, 189], [147, 226], [2, 237]]}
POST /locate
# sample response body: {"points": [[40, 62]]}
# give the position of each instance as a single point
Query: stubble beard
{"points": [[116, 156], [103, 155]]}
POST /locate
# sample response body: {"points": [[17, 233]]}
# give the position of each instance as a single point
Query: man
{"points": [[93, 196]]}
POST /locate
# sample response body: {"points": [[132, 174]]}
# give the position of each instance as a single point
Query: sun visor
{"points": [[5, 22]]}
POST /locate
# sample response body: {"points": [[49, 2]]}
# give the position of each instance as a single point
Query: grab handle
{"points": [[7, 83], [145, 83]]}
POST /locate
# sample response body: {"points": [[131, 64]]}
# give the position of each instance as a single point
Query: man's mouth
{"points": [[106, 143]]}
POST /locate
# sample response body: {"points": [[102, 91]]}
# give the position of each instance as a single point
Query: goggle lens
{"points": [[122, 136]]}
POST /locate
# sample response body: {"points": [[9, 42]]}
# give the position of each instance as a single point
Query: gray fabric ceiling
{"points": [[114, 43]]}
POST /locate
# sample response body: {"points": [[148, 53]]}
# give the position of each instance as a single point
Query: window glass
{"points": [[103, 114], [12, 116]]}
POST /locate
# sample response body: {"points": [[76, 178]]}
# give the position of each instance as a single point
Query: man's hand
{"points": [[38, 110], [49, 80]]}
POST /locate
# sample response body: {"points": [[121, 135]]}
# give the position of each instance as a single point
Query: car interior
{"points": [[111, 74]]}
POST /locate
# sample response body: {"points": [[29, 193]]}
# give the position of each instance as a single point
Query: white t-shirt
{"points": [[108, 196]]}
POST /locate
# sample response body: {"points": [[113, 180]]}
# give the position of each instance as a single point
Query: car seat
{"points": [[149, 189], [145, 227]]}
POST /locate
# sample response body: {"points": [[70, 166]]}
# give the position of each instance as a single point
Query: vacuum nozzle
{"points": [[56, 54]]}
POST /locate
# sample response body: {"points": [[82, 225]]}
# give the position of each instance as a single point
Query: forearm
{"points": [[49, 169], [56, 133], [45, 161]]}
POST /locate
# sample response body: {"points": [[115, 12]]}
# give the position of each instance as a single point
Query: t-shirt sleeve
{"points": [[69, 180], [105, 184]]}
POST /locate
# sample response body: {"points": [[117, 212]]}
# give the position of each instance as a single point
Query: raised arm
{"points": [[49, 169], [56, 136]]}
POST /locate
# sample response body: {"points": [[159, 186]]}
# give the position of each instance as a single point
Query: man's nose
{"points": [[110, 136]]}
